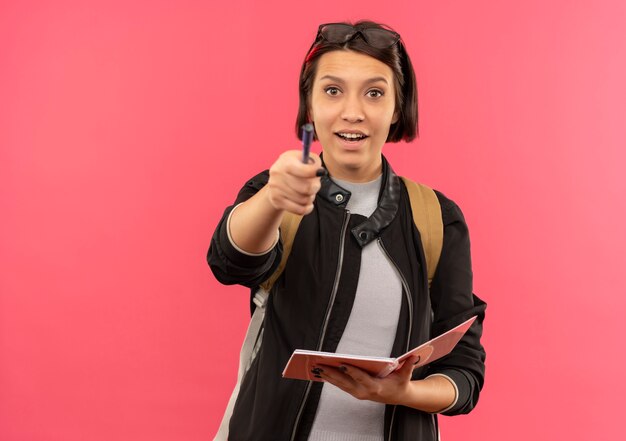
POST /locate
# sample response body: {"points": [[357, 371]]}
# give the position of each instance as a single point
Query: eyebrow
{"points": [[368, 81]]}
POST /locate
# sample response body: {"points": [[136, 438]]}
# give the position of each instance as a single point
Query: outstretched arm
{"points": [[292, 186]]}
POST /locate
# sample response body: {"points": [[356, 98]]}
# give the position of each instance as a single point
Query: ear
{"points": [[396, 117]]}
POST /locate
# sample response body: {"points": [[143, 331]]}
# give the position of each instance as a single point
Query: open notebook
{"points": [[302, 361]]}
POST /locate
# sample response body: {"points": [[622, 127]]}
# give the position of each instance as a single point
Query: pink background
{"points": [[127, 127]]}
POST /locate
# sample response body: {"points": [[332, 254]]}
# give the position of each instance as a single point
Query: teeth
{"points": [[351, 135]]}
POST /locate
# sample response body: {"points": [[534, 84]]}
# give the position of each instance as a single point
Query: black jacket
{"points": [[310, 304]]}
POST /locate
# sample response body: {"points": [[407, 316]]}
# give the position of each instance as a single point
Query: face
{"points": [[352, 106]]}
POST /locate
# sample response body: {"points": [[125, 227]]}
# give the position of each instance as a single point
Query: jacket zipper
{"points": [[410, 303], [329, 308]]}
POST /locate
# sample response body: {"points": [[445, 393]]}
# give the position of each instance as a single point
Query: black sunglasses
{"points": [[340, 33]]}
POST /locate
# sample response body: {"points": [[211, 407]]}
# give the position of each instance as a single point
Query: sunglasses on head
{"points": [[340, 33]]}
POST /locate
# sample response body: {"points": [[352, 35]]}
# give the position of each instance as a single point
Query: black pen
{"points": [[307, 138]]}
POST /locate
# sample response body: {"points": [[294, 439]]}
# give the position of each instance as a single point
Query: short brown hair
{"points": [[396, 57]]}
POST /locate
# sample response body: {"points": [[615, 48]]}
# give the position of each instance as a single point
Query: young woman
{"points": [[355, 281]]}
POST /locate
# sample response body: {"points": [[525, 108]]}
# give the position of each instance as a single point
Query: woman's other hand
{"points": [[431, 394]]}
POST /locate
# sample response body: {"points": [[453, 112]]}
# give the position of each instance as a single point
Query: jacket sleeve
{"points": [[231, 266], [453, 302]]}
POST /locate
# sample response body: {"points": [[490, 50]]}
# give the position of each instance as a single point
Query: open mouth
{"points": [[351, 137]]}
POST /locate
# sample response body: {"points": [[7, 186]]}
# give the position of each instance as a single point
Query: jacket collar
{"points": [[388, 201]]}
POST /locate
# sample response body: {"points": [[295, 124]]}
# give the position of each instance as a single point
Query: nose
{"points": [[352, 110]]}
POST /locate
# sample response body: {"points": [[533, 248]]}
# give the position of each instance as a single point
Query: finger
{"points": [[358, 375], [342, 385], [407, 368], [284, 203], [356, 382], [317, 161], [336, 377], [290, 173], [281, 178], [304, 186], [295, 166], [297, 198]]}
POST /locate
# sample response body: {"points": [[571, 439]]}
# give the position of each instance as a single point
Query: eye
{"points": [[332, 91], [375, 93]]}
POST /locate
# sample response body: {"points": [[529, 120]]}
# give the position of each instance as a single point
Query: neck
{"points": [[366, 173]]}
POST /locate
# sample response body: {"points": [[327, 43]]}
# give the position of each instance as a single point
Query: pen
{"points": [[307, 137]]}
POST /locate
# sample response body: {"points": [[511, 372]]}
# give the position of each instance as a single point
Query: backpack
{"points": [[427, 218]]}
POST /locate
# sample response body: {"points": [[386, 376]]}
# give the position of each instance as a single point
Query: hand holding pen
{"points": [[295, 177]]}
